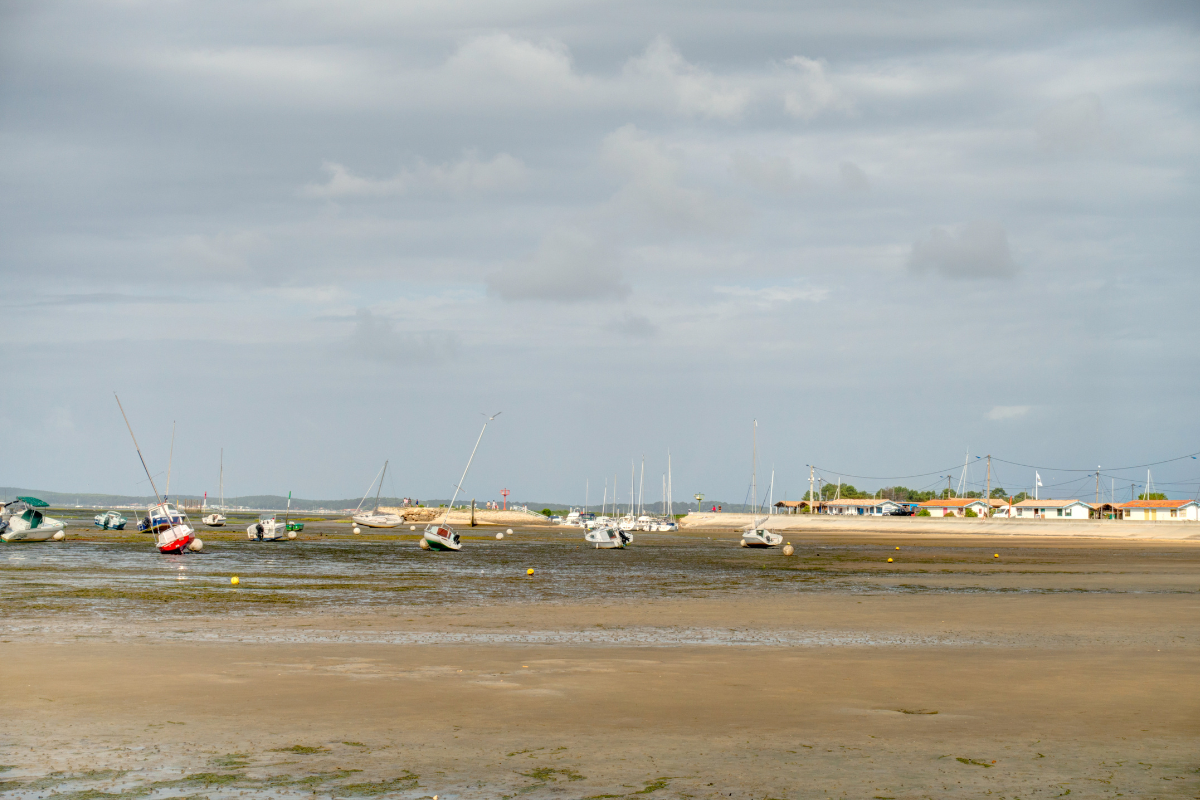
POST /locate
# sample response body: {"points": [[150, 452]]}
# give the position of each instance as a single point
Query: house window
{"points": [[1060, 512], [1174, 512]]}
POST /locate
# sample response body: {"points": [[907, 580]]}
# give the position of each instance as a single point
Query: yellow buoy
{"points": [[995, 555], [234, 580], [897, 548], [889, 561], [529, 571]]}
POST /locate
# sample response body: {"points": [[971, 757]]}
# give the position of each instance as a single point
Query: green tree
{"points": [[1152, 496]]}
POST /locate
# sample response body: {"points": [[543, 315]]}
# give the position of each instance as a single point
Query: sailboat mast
{"points": [[632, 484], [221, 482], [467, 468], [380, 489], [754, 471], [170, 461], [139, 450], [642, 488]]}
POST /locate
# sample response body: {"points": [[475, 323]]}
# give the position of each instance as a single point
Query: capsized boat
{"points": [[753, 535], [21, 521], [439, 535], [376, 518], [608, 537], [110, 521]]}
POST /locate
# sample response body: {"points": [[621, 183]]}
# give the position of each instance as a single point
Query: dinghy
{"points": [[110, 521], [753, 535], [172, 531], [21, 521], [376, 519], [439, 535], [608, 537]]}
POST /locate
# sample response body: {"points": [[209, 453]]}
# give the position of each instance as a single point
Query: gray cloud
{"points": [[568, 266], [975, 250], [376, 339], [1073, 124], [853, 178], [769, 173], [469, 175]]}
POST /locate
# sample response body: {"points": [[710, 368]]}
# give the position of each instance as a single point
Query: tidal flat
{"points": [[683, 666]]}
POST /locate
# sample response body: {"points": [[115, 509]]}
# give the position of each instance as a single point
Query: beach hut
{"points": [[1053, 509], [1161, 510], [957, 507]]}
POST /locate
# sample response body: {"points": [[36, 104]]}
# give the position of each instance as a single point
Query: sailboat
{"points": [[21, 521], [216, 519], [753, 535], [439, 535], [375, 519], [172, 532]]}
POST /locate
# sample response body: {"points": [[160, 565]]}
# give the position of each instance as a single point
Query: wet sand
{"points": [[682, 667]]}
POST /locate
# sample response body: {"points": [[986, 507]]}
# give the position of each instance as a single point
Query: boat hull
{"points": [[761, 538], [34, 535], [442, 537], [608, 538], [175, 540], [378, 520], [214, 521]]}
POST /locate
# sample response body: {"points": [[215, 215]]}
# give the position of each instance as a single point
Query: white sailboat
{"points": [[753, 535], [375, 519], [21, 521], [217, 519], [439, 535]]}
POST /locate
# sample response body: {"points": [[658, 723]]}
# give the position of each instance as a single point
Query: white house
{"points": [[957, 507], [1052, 509], [1162, 510], [868, 507]]}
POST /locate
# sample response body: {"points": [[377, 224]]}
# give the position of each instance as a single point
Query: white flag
{"points": [[1039, 477]]}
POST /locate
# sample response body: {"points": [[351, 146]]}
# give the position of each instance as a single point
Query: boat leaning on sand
{"points": [[110, 521], [21, 521], [439, 535], [173, 533], [608, 537]]}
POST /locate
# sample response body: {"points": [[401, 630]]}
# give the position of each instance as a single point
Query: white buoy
{"points": [[499, 535], [356, 530], [424, 545], [291, 534], [412, 527], [509, 531], [196, 545], [59, 536], [788, 550], [744, 543]]}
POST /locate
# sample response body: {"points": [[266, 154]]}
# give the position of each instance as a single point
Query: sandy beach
{"points": [[684, 666]]}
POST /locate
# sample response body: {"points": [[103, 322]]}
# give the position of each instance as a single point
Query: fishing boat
{"points": [[110, 521], [608, 537], [172, 531], [439, 535], [22, 521], [217, 519], [376, 519], [272, 528], [753, 535]]}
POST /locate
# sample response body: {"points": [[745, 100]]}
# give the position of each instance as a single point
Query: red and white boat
{"points": [[172, 531]]}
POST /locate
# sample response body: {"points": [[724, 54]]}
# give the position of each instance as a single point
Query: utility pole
{"points": [[812, 498], [948, 489], [989, 480], [1097, 487]]}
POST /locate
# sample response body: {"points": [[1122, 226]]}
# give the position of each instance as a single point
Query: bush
{"points": [[547, 512], [924, 512], [970, 513]]}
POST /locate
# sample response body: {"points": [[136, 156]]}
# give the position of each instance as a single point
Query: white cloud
{"points": [[686, 87], [977, 249], [772, 295], [853, 177], [466, 176], [1007, 412], [1074, 124], [653, 196], [810, 91], [568, 266], [769, 173]]}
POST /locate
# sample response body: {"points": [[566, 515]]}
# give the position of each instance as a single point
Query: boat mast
{"points": [[754, 473], [221, 482], [642, 488], [632, 475], [170, 460], [139, 450], [380, 489], [458, 488]]}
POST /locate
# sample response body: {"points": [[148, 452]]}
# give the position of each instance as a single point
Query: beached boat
{"points": [[22, 521], [271, 528], [753, 535], [172, 531], [608, 537], [376, 518], [439, 535], [217, 519], [110, 521]]}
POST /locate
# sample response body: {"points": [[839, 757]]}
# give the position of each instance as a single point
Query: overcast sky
{"points": [[321, 235]]}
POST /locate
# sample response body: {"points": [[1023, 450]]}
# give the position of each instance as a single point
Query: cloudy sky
{"points": [[320, 235]]}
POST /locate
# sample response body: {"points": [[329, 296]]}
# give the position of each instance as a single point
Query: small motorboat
{"points": [[214, 520], [441, 537], [608, 537], [173, 533], [666, 525], [110, 521], [21, 521], [270, 528]]}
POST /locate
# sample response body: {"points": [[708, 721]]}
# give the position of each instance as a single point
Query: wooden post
{"points": [[472, 512]]}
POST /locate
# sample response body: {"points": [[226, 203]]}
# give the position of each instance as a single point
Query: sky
{"points": [[320, 236]]}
